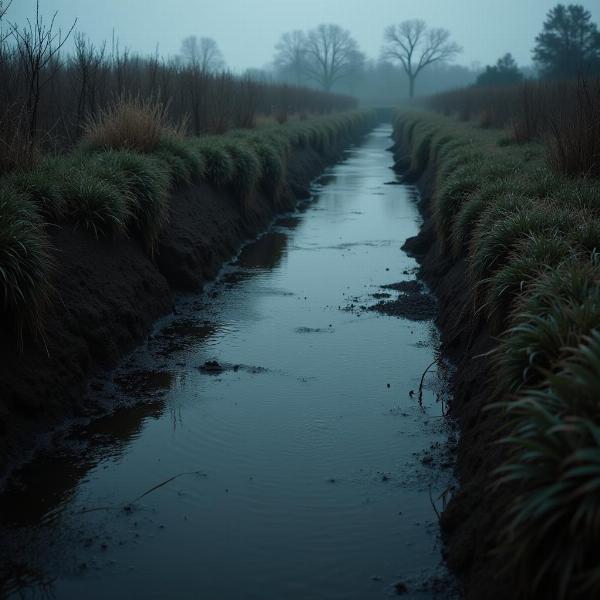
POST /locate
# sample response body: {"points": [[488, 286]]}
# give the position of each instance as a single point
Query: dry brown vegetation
{"points": [[565, 115], [47, 99]]}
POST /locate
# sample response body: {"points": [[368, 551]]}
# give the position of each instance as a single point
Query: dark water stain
{"points": [[300, 467], [144, 383], [325, 180], [288, 222], [180, 335], [264, 253]]}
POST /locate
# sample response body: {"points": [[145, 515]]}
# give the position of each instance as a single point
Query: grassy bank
{"points": [[118, 182], [530, 236]]}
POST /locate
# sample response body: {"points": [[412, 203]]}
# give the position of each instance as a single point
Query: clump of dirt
{"points": [[314, 329], [415, 306], [408, 287], [214, 367]]}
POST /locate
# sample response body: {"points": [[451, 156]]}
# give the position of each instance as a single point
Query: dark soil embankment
{"points": [[469, 523], [109, 292]]}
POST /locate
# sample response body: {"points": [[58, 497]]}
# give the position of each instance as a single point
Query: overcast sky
{"points": [[247, 30]]}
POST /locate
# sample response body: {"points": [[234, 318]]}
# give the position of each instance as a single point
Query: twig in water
{"points": [[422, 380], [443, 497], [152, 489], [437, 512]]}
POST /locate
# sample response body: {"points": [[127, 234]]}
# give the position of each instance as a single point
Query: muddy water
{"points": [[302, 465]]}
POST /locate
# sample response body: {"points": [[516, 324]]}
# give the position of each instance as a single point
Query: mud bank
{"points": [[469, 523], [108, 293]]}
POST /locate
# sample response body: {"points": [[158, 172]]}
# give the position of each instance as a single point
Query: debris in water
{"points": [[211, 366], [400, 588]]}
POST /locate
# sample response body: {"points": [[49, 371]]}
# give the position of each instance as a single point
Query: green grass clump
{"points": [[247, 168], [531, 257], [489, 196], [145, 190], [573, 280], [273, 153], [42, 185], [552, 527], [185, 164], [272, 165], [219, 167], [493, 242], [94, 204], [25, 261]]}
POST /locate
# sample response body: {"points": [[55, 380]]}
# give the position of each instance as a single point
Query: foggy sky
{"points": [[247, 30]]}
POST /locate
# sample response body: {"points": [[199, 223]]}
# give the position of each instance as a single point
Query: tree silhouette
{"points": [[569, 43], [202, 53], [504, 72], [290, 55], [332, 54], [415, 47]]}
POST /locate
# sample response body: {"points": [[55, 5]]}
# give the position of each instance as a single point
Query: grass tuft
{"points": [[25, 262]]}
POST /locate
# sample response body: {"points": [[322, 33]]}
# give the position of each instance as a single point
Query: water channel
{"points": [[271, 442]]}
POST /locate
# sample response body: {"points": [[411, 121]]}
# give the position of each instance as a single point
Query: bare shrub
{"points": [[573, 139]]}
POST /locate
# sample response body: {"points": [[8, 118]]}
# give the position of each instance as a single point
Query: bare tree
{"points": [[332, 54], [4, 6], [290, 55], [87, 61], [415, 46], [202, 53], [38, 46]]}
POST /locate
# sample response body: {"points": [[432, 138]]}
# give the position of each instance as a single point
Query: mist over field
{"points": [[247, 30]]}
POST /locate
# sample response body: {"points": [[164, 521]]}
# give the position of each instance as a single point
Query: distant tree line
{"points": [[328, 55], [568, 45]]}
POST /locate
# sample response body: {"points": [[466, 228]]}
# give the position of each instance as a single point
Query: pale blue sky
{"points": [[247, 30]]}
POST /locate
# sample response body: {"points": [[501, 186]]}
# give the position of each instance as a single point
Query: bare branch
{"points": [[331, 55], [203, 54], [415, 47]]}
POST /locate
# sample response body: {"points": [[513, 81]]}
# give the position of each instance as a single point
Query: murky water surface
{"points": [[300, 466]]}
